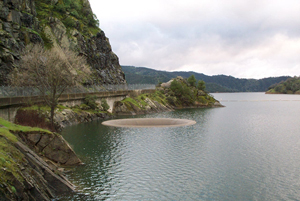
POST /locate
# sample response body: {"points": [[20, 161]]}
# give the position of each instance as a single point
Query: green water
{"points": [[248, 150]]}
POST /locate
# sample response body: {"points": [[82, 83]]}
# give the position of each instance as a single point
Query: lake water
{"points": [[248, 150]]}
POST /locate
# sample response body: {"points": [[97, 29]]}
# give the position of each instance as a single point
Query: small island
{"points": [[178, 93]]}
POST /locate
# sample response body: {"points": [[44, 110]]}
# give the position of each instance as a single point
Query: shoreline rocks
{"points": [[34, 176]]}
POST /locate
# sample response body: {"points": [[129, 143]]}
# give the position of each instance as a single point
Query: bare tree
{"points": [[50, 71]]}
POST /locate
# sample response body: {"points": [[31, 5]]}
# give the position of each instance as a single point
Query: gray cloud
{"points": [[239, 38]]}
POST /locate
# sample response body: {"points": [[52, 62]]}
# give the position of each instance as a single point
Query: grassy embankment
{"points": [[10, 156]]}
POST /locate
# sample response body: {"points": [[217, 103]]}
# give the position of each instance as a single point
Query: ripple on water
{"points": [[240, 152]]}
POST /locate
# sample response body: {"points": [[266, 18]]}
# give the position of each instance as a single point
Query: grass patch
{"points": [[159, 96], [14, 127], [128, 100], [4, 132], [10, 156]]}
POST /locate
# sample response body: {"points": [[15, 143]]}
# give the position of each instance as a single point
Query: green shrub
{"points": [[171, 100], [69, 22], [60, 8], [182, 92], [202, 100], [67, 3], [78, 15], [75, 14], [201, 85], [48, 43], [91, 101], [187, 96], [192, 81], [176, 87], [75, 5], [104, 105]]}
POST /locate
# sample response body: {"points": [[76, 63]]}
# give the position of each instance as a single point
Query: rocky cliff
{"points": [[58, 24], [30, 160]]}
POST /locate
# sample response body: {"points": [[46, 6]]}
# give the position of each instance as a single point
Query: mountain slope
{"points": [[216, 83], [56, 24]]}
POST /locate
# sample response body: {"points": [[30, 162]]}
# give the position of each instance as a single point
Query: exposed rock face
{"points": [[131, 109], [40, 176], [17, 22], [68, 117], [19, 26], [38, 181], [51, 146]]}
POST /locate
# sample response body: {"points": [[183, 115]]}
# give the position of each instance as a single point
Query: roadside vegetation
{"points": [[290, 86], [39, 115], [51, 72]]}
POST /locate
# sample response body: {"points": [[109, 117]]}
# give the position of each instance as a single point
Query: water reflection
{"points": [[118, 160], [244, 151]]}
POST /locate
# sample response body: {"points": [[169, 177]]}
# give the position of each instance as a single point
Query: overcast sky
{"points": [[241, 38]]}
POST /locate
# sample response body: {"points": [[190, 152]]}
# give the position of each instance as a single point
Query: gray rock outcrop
{"points": [[20, 26], [68, 117], [51, 146], [36, 180], [128, 108]]}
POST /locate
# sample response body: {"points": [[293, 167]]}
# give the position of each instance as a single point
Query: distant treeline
{"points": [[215, 83], [290, 86]]}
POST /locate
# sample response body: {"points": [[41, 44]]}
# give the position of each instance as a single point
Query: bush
{"points": [[171, 100], [187, 96], [69, 22], [176, 87], [182, 92], [60, 8], [91, 102], [192, 81], [201, 85], [75, 14], [48, 43], [104, 105], [75, 5], [202, 100]]}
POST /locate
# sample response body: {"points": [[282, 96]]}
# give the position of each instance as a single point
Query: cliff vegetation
{"points": [[56, 24]]}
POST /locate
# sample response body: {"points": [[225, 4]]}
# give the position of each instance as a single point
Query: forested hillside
{"points": [[290, 86], [216, 83]]}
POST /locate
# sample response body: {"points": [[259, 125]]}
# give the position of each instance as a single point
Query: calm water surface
{"points": [[248, 150]]}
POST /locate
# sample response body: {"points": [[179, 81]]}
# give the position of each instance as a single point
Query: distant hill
{"points": [[290, 86], [215, 83]]}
